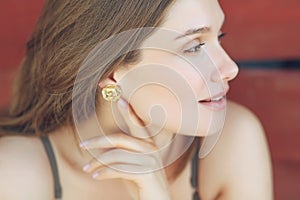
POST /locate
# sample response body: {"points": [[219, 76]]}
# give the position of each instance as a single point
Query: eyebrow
{"points": [[204, 29]]}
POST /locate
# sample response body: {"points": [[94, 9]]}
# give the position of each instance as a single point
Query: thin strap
{"points": [[194, 177], [51, 157]]}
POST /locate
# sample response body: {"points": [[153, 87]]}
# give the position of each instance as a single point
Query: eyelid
{"points": [[221, 35], [189, 50]]}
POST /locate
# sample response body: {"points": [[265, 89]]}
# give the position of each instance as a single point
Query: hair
{"points": [[64, 35], [66, 32]]}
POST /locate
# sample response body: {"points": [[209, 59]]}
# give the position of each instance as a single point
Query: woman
{"points": [[58, 143]]}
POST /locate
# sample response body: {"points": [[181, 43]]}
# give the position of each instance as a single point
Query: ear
{"points": [[120, 72], [106, 81], [114, 77]]}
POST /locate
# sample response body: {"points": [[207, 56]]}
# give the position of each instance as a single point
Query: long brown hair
{"points": [[64, 35]]}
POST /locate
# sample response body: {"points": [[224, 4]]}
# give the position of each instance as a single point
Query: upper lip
{"points": [[221, 94]]}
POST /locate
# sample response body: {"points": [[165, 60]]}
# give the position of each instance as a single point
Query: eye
{"points": [[197, 48], [194, 49], [220, 36]]}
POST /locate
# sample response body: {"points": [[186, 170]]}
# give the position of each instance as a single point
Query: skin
{"points": [[183, 16], [237, 168]]}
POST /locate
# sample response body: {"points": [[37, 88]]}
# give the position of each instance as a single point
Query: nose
{"points": [[226, 68]]}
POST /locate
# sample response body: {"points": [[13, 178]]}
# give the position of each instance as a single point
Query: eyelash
{"points": [[198, 47]]}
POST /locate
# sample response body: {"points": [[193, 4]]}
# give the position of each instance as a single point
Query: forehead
{"points": [[191, 14]]}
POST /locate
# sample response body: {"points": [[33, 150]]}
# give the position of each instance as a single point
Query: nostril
{"points": [[219, 75], [229, 71], [227, 78]]}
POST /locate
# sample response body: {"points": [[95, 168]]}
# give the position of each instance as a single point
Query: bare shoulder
{"points": [[24, 168], [239, 118], [239, 166]]}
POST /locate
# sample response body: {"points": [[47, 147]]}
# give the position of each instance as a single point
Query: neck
{"points": [[66, 141]]}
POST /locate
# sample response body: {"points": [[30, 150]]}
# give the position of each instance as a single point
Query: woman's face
{"points": [[183, 65]]}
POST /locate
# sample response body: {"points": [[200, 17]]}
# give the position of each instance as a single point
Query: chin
{"points": [[203, 131]]}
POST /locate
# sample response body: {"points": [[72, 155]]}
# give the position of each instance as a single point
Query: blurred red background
{"points": [[257, 30]]}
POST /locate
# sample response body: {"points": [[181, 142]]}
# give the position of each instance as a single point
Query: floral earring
{"points": [[111, 92]]}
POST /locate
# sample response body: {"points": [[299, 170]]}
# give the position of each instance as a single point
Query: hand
{"points": [[129, 158]]}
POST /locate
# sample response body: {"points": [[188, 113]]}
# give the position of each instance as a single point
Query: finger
{"points": [[121, 171], [119, 156], [134, 123], [92, 165], [118, 140]]}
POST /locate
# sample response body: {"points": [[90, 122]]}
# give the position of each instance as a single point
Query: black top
{"points": [[194, 177], [52, 160], [57, 185]]}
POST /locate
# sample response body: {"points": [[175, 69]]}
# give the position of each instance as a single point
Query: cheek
{"points": [[157, 106], [171, 103], [179, 68], [161, 109]]}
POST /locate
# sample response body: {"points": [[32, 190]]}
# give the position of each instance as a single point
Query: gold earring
{"points": [[111, 93]]}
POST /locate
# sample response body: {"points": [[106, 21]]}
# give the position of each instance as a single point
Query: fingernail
{"points": [[83, 144], [122, 103], [96, 174], [86, 167]]}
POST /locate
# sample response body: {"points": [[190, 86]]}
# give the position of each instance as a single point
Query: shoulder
{"points": [[24, 168], [240, 119], [239, 166]]}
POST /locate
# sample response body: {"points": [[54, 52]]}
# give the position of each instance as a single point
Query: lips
{"points": [[216, 97]]}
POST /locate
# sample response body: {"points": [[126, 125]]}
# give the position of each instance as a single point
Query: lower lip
{"points": [[215, 105]]}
